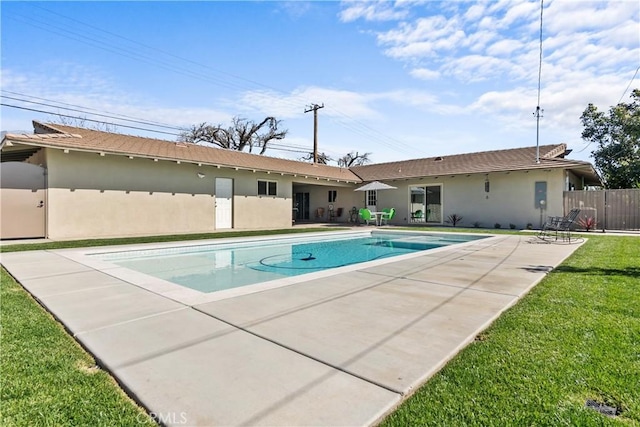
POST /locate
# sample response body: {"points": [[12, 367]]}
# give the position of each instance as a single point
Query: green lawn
{"points": [[47, 379], [575, 337]]}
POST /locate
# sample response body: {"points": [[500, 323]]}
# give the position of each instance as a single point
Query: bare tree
{"points": [[354, 159], [81, 122], [243, 133], [323, 158]]}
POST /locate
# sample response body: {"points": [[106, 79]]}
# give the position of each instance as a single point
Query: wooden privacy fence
{"points": [[612, 209]]}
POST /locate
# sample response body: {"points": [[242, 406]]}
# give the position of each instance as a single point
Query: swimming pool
{"points": [[218, 267]]}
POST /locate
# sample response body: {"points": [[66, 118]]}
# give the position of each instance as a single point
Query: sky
{"points": [[397, 79]]}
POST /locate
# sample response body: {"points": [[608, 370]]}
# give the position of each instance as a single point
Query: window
{"points": [[372, 197], [333, 194], [267, 188]]}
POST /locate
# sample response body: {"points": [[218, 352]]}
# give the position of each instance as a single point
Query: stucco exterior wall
{"points": [[260, 212], [510, 199], [111, 196], [346, 198]]}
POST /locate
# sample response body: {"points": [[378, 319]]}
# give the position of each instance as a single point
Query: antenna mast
{"points": [[538, 112]]}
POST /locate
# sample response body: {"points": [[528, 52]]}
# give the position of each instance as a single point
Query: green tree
{"points": [[617, 135], [241, 134]]}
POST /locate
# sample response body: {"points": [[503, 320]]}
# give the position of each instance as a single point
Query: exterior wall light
{"points": [[201, 175]]}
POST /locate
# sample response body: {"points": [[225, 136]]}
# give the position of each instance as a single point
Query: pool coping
{"points": [[286, 356]]}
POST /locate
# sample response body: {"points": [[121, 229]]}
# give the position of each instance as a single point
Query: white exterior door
{"points": [[224, 203]]}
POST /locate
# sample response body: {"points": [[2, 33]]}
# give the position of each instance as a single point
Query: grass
{"points": [[46, 378], [64, 244], [575, 337]]}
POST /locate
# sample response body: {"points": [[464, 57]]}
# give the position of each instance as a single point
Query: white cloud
{"points": [[424, 74], [504, 47], [575, 16], [475, 12], [86, 89], [373, 11], [295, 9], [292, 105]]}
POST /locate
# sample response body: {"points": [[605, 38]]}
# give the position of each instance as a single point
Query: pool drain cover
{"points": [[609, 411]]}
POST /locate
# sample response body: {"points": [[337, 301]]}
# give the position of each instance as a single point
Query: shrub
{"points": [[587, 223], [454, 219], [529, 226], [497, 225], [512, 226], [477, 224]]}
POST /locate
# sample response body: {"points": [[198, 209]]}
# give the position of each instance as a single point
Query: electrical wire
{"points": [[271, 145], [86, 119], [85, 108], [619, 101], [95, 114], [629, 85], [352, 124]]}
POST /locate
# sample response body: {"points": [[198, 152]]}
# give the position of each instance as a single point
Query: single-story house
{"points": [[65, 182]]}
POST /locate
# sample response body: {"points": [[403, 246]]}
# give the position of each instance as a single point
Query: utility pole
{"points": [[315, 108]]}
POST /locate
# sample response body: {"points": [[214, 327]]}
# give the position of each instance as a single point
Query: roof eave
{"points": [[42, 143]]}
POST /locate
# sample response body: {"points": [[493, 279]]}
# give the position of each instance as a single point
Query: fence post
{"points": [[604, 222]]}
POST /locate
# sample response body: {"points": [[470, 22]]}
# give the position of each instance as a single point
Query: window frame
{"points": [[269, 185]]}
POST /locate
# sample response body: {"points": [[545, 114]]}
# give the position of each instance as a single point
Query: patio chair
{"points": [[367, 216], [559, 225], [332, 214], [387, 215]]}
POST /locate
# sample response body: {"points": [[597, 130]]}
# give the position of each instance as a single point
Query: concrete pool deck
{"points": [[343, 349]]}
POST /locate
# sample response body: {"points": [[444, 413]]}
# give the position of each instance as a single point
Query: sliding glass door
{"points": [[426, 203]]}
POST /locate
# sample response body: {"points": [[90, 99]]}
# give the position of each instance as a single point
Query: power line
{"points": [[84, 118], [95, 114], [153, 60], [619, 101], [363, 129], [629, 85], [152, 47], [89, 109], [276, 147]]}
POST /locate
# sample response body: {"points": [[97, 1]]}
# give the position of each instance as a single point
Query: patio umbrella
{"points": [[376, 185]]}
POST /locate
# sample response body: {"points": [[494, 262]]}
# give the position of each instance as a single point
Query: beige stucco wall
{"points": [[509, 201], [260, 212], [346, 198], [108, 196]]}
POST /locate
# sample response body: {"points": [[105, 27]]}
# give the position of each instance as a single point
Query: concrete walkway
{"points": [[339, 350]]}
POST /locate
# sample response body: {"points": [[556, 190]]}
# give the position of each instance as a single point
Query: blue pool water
{"points": [[215, 267]]}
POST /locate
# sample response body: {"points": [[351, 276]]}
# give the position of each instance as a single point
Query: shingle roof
{"points": [[551, 156], [73, 138]]}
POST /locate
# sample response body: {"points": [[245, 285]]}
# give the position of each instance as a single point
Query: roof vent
{"points": [[438, 159]]}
